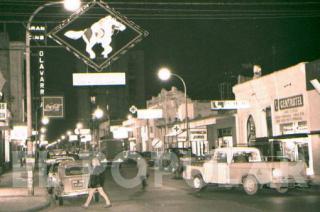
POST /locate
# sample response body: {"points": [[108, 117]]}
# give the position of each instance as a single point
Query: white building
{"points": [[284, 113]]}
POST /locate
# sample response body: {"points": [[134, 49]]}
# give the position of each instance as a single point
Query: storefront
{"points": [[282, 116]]}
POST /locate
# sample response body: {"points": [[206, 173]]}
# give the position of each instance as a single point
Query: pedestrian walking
{"points": [[21, 155], [142, 171], [96, 182]]}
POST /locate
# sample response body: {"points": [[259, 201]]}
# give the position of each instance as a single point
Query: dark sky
{"points": [[205, 42]]}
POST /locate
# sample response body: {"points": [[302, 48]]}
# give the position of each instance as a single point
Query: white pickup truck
{"points": [[233, 166]]}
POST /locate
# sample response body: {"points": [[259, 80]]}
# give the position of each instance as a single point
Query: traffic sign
{"points": [[133, 109]]}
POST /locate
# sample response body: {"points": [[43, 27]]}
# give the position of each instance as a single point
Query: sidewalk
{"points": [[315, 181], [14, 193]]}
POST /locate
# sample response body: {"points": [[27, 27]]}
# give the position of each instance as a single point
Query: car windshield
{"points": [[77, 170]]}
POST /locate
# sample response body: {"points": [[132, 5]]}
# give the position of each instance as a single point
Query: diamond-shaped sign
{"points": [[97, 34], [133, 109]]}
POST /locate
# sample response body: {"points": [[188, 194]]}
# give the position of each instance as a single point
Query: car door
{"points": [[217, 169]]}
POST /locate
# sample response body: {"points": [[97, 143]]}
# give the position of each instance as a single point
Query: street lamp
{"points": [[72, 5], [28, 92], [43, 130], [165, 74], [45, 120], [98, 114]]}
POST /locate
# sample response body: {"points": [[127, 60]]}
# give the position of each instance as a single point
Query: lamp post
{"points": [[77, 130], [98, 114], [165, 74], [28, 87]]}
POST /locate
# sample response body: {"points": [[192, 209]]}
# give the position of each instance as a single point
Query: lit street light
{"points": [[79, 126], [98, 114], [43, 129], [72, 5], [45, 120], [165, 74], [30, 164]]}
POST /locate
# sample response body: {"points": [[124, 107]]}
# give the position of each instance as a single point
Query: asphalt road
{"points": [[175, 195]]}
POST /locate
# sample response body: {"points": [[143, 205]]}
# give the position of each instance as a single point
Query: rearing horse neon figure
{"points": [[99, 33]]}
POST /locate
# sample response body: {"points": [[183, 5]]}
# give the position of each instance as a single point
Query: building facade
{"points": [[207, 128], [283, 117]]}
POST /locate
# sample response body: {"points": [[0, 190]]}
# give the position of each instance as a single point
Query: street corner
{"points": [[17, 199], [24, 203]]}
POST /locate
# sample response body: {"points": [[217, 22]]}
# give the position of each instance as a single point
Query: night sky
{"points": [[205, 42]]}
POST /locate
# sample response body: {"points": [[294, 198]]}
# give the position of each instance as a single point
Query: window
{"points": [[240, 157], [221, 157], [223, 132], [76, 171], [251, 131]]}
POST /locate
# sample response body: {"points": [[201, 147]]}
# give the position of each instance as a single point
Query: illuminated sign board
{"points": [[229, 105], [150, 114], [89, 79], [42, 70], [289, 102], [97, 34], [198, 134], [119, 132], [53, 106], [3, 111], [19, 133], [38, 33]]}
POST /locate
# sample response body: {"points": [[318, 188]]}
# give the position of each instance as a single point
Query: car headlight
{"points": [[276, 173]]}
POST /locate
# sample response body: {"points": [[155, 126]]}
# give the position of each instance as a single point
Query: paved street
{"points": [[176, 195]]}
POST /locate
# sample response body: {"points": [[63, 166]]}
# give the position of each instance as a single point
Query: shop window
{"points": [[269, 121]]}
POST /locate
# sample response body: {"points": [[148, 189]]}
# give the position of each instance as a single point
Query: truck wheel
{"points": [[60, 199], [282, 190], [250, 185], [198, 182]]}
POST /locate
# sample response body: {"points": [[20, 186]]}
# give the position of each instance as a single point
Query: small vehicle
{"points": [[129, 157], [175, 159], [234, 166], [72, 180], [84, 155], [149, 157]]}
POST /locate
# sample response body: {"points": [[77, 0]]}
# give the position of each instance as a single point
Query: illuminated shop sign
{"points": [[38, 33], [41, 66], [229, 105], [289, 102], [90, 79], [53, 106], [97, 34], [3, 111]]}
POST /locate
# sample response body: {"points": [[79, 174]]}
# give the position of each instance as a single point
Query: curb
{"points": [[46, 205]]}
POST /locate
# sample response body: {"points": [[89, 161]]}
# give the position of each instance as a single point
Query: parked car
{"points": [[84, 154], [57, 160], [234, 166], [150, 157], [72, 180], [175, 159]]}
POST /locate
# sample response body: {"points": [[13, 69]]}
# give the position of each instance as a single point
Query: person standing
{"points": [[21, 155], [142, 171], [96, 182]]}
